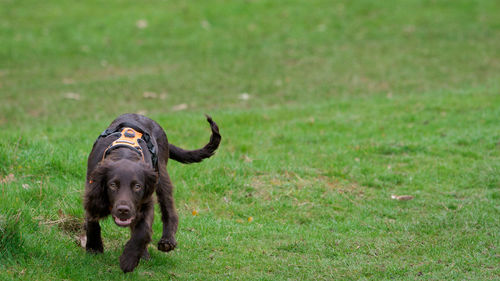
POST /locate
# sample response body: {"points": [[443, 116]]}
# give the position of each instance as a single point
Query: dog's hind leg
{"points": [[168, 214]]}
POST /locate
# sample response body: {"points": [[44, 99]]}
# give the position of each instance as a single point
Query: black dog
{"points": [[126, 165]]}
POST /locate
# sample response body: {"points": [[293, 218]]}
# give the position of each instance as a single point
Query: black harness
{"points": [[146, 138]]}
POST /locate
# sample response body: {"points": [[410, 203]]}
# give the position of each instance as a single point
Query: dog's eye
{"points": [[137, 187], [113, 186]]}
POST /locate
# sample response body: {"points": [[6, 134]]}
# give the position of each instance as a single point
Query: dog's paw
{"points": [[94, 248], [128, 263], [166, 245], [145, 255]]}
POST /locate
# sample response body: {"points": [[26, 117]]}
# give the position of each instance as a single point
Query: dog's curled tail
{"points": [[194, 156]]}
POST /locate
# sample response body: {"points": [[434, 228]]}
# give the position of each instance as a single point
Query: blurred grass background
{"points": [[326, 108]]}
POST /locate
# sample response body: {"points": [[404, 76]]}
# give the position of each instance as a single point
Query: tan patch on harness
{"points": [[128, 137]]}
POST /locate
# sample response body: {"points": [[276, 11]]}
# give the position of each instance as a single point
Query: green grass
{"points": [[350, 103]]}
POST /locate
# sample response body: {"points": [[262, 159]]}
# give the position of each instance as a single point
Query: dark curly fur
{"points": [[122, 185]]}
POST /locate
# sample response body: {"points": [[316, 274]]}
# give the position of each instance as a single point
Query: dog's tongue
{"points": [[123, 222]]}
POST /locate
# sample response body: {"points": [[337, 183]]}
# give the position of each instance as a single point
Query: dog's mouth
{"points": [[123, 222]]}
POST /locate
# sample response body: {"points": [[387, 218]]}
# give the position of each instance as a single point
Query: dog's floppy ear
{"points": [[96, 201], [151, 179]]}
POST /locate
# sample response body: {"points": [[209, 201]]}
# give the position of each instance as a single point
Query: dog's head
{"points": [[120, 188]]}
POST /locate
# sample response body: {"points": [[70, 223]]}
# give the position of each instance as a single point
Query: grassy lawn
{"points": [[326, 109]]}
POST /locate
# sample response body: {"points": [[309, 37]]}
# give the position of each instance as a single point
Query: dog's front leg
{"points": [[136, 247], [94, 240]]}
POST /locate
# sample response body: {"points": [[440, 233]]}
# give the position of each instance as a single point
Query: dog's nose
{"points": [[123, 210]]}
